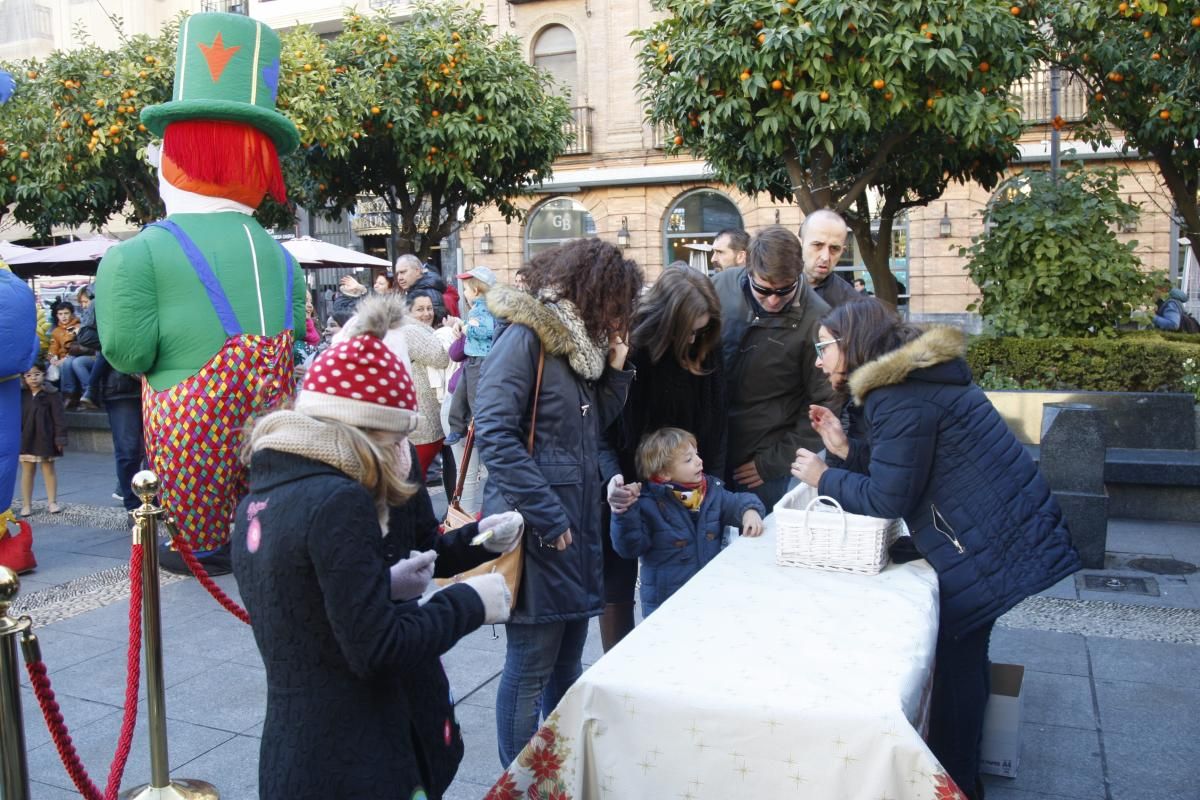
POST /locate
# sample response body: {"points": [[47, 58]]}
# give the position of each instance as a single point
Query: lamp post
{"points": [[944, 227], [486, 245], [623, 233]]}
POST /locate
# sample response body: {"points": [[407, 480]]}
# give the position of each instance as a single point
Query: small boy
{"points": [[676, 525], [478, 331]]}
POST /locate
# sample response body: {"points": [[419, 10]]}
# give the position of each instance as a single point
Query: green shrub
{"points": [[1050, 263], [1136, 361]]}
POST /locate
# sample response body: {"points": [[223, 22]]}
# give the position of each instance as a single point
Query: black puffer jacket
{"points": [[351, 695], [562, 485]]}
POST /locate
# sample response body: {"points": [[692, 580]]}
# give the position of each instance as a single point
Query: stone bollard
{"points": [[1072, 461]]}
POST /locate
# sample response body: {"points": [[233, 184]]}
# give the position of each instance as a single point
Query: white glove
{"points": [[493, 591], [410, 576], [506, 531]]}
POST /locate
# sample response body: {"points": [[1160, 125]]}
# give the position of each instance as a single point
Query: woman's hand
{"points": [[808, 467], [829, 428], [618, 349], [752, 523], [505, 528], [621, 495], [410, 576], [564, 541]]}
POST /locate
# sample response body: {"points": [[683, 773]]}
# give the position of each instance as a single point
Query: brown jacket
{"points": [[61, 338]]}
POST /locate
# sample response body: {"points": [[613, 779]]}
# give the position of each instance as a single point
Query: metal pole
{"points": [[145, 532], [1055, 91], [14, 781]]}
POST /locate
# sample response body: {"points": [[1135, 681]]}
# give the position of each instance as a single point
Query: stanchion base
{"points": [[179, 789]]}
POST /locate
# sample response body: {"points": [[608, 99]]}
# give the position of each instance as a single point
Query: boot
{"points": [[615, 623]]}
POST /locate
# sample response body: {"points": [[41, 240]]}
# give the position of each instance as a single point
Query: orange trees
{"points": [[830, 133]]}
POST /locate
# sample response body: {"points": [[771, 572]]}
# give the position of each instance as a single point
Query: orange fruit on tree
{"points": [[1015, 11], [479, 118], [31, 75], [929, 103], [375, 110], [878, 83], [321, 89], [1146, 34], [64, 124], [150, 59], [758, 24], [1155, 56], [745, 75], [454, 36], [678, 140], [823, 96], [433, 150], [762, 37], [24, 155], [785, 10], [777, 84], [382, 37], [1123, 7], [888, 96], [984, 66], [1196, 21], [1164, 114]]}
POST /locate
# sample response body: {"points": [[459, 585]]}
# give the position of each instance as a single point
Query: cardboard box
{"points": [[1001, 750]]}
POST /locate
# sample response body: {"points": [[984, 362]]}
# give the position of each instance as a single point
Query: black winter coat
{"points": [[43, 423], [561, 486], [664, 394], [345, 718], [940, 456]]}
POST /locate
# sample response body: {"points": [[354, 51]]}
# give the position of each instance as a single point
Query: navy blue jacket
{"points": [[673, 542], [942, 458], [561, 486]]}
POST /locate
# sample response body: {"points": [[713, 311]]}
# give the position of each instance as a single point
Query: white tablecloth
{"points": [[754, 681]]}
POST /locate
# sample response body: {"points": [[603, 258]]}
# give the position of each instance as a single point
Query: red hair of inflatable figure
{"points": [[219, 158]]}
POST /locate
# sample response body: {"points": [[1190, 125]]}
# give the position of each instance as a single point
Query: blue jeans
{"points": [[961, 685], [125, 419], [73, 373], [542, 662]]}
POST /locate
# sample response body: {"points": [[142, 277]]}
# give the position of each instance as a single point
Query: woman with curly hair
{"points": [[675, 348], [569, 327]]}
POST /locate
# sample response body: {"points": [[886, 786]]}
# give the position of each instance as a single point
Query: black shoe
{"points": [[215, 562]]}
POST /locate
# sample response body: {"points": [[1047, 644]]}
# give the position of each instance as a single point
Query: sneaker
{"points": [[453, 438], [117, 496], [86, 404], [215, 562]]}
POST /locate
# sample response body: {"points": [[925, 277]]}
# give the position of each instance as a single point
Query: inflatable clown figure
{"points": [[203, 303], [18, 331]]}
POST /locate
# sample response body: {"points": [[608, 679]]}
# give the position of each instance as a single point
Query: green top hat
{"points": [[227, 68]]}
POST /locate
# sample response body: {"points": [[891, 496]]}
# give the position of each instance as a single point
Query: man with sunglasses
{"points": [[769, 321], [823, 239]]}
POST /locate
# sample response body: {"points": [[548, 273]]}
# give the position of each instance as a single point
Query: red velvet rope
{"points": [[53, 713], [193, 563]]}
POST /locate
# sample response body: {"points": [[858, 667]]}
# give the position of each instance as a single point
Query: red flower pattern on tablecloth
{"points": [[544, 763], [504, 789], [946, 789], [541, 765]]}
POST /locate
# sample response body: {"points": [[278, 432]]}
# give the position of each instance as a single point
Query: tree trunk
{"points": [[1183, 191], [876, 257]]}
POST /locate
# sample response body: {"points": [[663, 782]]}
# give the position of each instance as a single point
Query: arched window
{"points": [[555, 222], [696, 219], [1005, 192], [554, 51]]}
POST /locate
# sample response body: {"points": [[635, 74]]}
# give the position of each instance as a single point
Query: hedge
{"points": [[1136, 361]]}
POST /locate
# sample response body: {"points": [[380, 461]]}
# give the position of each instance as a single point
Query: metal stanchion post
{"points": [[145, 532], [15, 778]]}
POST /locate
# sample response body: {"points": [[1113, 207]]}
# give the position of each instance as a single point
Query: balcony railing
{"points": [[579, 128], [1034, 93], [226, 6]]}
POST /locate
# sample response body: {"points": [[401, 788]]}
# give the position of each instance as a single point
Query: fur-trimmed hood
{"points": [[935, 346], [557, 336]]}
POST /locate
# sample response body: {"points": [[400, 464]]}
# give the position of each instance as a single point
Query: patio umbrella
{"points": [[73, 258], [317, 253], [9, 251]]}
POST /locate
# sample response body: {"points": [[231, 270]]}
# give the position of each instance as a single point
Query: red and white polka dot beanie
{"points": [[362, 383]]}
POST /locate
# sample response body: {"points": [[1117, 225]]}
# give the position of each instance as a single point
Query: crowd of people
{"points": [[617, 432]]}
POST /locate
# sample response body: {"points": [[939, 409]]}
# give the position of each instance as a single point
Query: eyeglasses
{"points": [[820, 347], [765, 292]]}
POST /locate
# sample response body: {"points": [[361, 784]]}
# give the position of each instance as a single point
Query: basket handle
{"points": [[831, 502]]}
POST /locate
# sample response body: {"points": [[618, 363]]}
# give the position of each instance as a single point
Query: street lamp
{"points": [[944, 230], [486, 245], [1130, 225], [623, 233]]}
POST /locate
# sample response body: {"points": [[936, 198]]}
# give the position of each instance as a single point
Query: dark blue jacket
{"points": [[561, 486], [673, 542], [942, 458]]}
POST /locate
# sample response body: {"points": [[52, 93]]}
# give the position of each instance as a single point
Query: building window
{"points": [[556, 222], [554, 52], [696, 219]]}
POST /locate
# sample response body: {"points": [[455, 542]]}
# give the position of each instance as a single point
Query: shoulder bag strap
{"points": [[537, 390], [468, 446]]}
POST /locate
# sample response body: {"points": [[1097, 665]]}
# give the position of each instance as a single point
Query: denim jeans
{"points": [[542, 662], [125, 419], [95, 379], [74, 372], [961, 684]]}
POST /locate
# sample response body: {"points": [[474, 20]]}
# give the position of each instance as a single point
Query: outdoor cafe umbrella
{"points": [[9, 251], [73, 258], [317, 253]]}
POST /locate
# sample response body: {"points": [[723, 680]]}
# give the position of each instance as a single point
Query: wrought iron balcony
{"points": [[579, 128], [1034, 93], [226, 6]]}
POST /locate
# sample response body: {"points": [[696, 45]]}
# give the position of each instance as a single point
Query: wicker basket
{"points": [[813, 531]]}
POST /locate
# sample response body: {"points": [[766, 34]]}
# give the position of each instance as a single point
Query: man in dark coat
{"points": [[823, 239], [769, 322], [122, 396]]}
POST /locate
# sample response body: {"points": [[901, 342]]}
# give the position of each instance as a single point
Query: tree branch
{"points": [[872, 169]]}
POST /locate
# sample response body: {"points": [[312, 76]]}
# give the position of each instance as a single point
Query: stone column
{"points": [[1072, 461]]}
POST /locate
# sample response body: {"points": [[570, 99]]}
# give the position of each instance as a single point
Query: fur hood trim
{"points": [[557, 336], [935, 346]]}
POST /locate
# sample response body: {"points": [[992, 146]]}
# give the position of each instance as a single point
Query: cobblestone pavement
{"points": [[1111, 657]]}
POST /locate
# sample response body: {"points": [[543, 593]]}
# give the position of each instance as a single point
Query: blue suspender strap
{"points": [[289, 291], [216, 295]]}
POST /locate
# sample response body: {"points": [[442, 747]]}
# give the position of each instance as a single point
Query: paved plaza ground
{"points": [[1112, 678]]}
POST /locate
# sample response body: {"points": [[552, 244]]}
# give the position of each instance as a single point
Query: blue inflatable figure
{"points": [[18, 326]]}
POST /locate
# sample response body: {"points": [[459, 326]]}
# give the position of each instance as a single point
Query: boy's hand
{"points": [[622, 496], [752, 523]]}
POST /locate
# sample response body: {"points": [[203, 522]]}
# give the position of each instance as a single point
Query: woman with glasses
{"points": [[936, 454], [675, 349]]}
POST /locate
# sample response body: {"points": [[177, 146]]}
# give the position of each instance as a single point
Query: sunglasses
{"points": [[820, 347], [765, 292]]}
